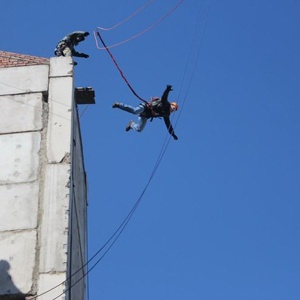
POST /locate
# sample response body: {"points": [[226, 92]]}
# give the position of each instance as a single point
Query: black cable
{"points": [[121, 228]]}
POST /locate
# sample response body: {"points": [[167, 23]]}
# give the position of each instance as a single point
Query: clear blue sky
{"points": [[220, 219]]}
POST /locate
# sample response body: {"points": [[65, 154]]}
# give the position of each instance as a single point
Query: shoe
{"points": [[128, 127], [115, 105]]}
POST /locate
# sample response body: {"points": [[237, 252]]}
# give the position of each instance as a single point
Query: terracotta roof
{"points": [[9, 59]]}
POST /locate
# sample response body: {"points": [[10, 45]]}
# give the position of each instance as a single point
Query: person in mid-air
{"points": [[66, 47], [156, 108]]}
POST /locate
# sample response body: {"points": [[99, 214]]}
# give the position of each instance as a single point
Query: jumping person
{"points": [[156, 108], [66, 47]]}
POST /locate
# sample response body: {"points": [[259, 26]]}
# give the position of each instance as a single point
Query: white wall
{"points": [[36, 113], [20, 144]]}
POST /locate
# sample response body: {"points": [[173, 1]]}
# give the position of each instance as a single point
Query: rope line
{"points": [[113, 239], [143, 31], [119, 69], [128, 18], [10, 97], [196, 26], [85, 108]]}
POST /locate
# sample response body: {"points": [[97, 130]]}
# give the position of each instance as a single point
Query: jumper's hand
{"points": [[169, 87]]}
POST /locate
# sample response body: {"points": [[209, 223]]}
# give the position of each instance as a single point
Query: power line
{"points": [[204, 7]]}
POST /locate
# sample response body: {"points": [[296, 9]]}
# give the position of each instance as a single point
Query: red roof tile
{"points": [[9, 59]]}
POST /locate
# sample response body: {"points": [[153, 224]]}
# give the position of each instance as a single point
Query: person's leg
{"points": [[139, 125], [59, 48], [133, 110]]}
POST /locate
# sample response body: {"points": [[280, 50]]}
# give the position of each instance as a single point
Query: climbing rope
{"points": [[128, 18], [119, 69], [105, 47], [142, 32]]}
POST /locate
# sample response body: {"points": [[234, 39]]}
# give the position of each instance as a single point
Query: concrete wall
{"points": [[42, 182], [78, 209]]}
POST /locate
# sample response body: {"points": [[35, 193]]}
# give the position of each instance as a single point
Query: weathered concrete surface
{"points": [[47, 281], [60, 108], [27, 108], [19, 159], [61, 66], [78, 209], [17, 256], [19, 206], [43, 216], [22, 80], [54, 221]]}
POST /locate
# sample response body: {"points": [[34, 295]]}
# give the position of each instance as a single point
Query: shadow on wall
{"points": [[8, 290]]}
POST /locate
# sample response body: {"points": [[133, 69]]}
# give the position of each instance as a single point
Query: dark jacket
{"points": [[160, 108], [71, 40]]}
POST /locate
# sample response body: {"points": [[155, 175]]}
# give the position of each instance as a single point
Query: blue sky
{"points": [[220, 219]]}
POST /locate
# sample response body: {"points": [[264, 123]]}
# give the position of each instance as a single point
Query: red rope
{"points": [[143, 31], [116, 64], [129, 17]]}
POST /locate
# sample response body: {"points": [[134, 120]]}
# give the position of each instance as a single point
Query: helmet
{"points": [[174, 105]]}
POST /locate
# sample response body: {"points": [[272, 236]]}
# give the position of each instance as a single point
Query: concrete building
{"points": [[43, 191]]}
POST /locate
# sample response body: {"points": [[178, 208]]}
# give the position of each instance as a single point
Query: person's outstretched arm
{"points": [[170, 128], [164, 97]]}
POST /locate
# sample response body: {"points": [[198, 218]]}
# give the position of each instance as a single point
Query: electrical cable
{"points": [[205, 8], [85, 108], [10, 97], [125, 222]]}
